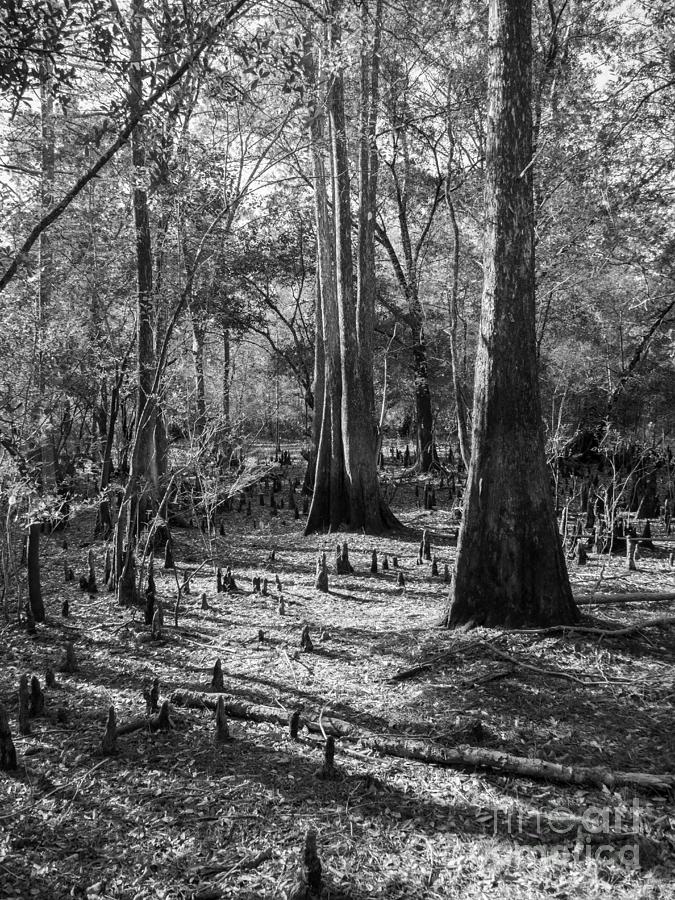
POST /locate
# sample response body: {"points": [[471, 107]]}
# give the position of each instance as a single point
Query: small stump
{"points": [[217, 683], [151, 697], [8, 761], [161, 722], [342, 564], [305, 640], [24, 706], [37, 698], [222, 731], [109, 740], [308, 885], [321, 581], [328, 772], [69, 662]]}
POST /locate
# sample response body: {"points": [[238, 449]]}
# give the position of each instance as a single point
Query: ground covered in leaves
{"points": [[176, 815]]}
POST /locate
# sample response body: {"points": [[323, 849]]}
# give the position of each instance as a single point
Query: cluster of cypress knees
{"points": [[344, 567]]}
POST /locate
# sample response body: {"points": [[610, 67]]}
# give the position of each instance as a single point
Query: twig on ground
{"points": [[665, 621]]}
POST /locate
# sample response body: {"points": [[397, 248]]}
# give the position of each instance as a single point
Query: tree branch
{"points": [[122, 138]]}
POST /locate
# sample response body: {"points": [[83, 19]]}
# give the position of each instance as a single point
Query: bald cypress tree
{"points": [[346, 486], [510, 564]]}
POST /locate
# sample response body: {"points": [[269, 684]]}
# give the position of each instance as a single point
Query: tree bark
{"points": [[510, 566]]}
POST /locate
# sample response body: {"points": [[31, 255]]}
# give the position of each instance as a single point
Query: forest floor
{"points": [[175, 815]]}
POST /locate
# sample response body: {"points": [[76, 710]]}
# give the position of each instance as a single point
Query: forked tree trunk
{"points": [[346, 487], [510, 566], [328, 499]]}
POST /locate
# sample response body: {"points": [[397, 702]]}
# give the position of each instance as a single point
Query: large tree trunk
{"points": [[346, 487], [328, 507], [510, 565]]}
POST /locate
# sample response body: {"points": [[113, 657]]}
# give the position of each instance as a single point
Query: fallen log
{"points": [[425, 751], [630, 597], [463, 756], [238, 709]]}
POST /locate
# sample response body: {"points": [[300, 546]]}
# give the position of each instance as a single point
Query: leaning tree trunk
{"points": [[510, 566]]}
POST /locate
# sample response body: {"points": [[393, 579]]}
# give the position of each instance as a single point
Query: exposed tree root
{"points": [[630, 597], [662, 622]]}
